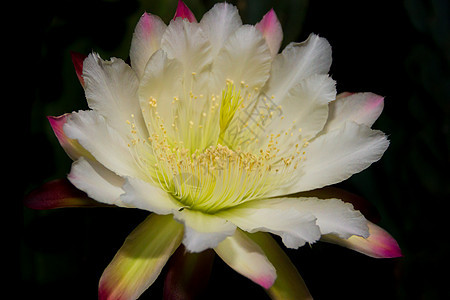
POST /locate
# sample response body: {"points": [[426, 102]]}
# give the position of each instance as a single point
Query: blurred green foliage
{"points": [[399, 49]]}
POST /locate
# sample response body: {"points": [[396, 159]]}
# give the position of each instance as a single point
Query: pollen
{"points": [[152, 102], [215, 152]]}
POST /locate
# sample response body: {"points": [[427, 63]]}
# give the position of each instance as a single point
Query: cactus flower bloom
{"points": [[209, 129]]}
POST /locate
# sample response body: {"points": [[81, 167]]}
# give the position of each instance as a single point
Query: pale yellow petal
{"points": [[140, 260]]}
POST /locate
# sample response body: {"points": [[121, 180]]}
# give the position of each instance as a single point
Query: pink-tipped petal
{"points": [[265, 281], [77, 60], [288, 284], [361, 108], [374, 103], [247, 258], [141, 258], [184, 12], [271, 29], [73, 149], [188, 274], [146, 41], [58, 194], [379, 244]]}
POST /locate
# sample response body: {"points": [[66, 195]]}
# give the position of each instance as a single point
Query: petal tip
{"points": [[53, 121], [270, 27], [58, 193], [102, 292], [105, 292], [265, 281], [144, 19], [269, 22], [385, 246], [379, 244], [146, 22], [374, 101], [56, 122], [77, 60], [271, 15], [393, 252], [184, 12]]}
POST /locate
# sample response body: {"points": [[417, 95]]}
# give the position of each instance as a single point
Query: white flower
{"points": [[210, 127]]}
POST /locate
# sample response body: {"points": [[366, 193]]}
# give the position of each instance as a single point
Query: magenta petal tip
{"points": [[271, 15], [145, 22], [77, 60], [270, 28], [374, 101], [59, 193], [385, 246], [379, 244], [266, 282], [57, 123], [184, 12]]}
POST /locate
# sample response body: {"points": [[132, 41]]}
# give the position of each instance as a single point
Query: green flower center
{"points": [[210, 157]]}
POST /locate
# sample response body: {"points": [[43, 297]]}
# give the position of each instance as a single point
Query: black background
{"points": [[398, 49]]}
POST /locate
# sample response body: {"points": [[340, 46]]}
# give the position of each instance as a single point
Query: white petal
{"points": [[297, 62], [111, 90], [245, 57], [295, 227], [146, 41], [143, 195], [361, 108], [203, 231], [97, 181], [102, 141], [333, 216], [162, 81], [187, 43], [307, 104], [337, 155], [247, 258], [219, 23], [302, 113]]}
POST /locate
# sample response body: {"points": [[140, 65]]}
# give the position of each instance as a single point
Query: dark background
{"points": [[398, 49]]}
